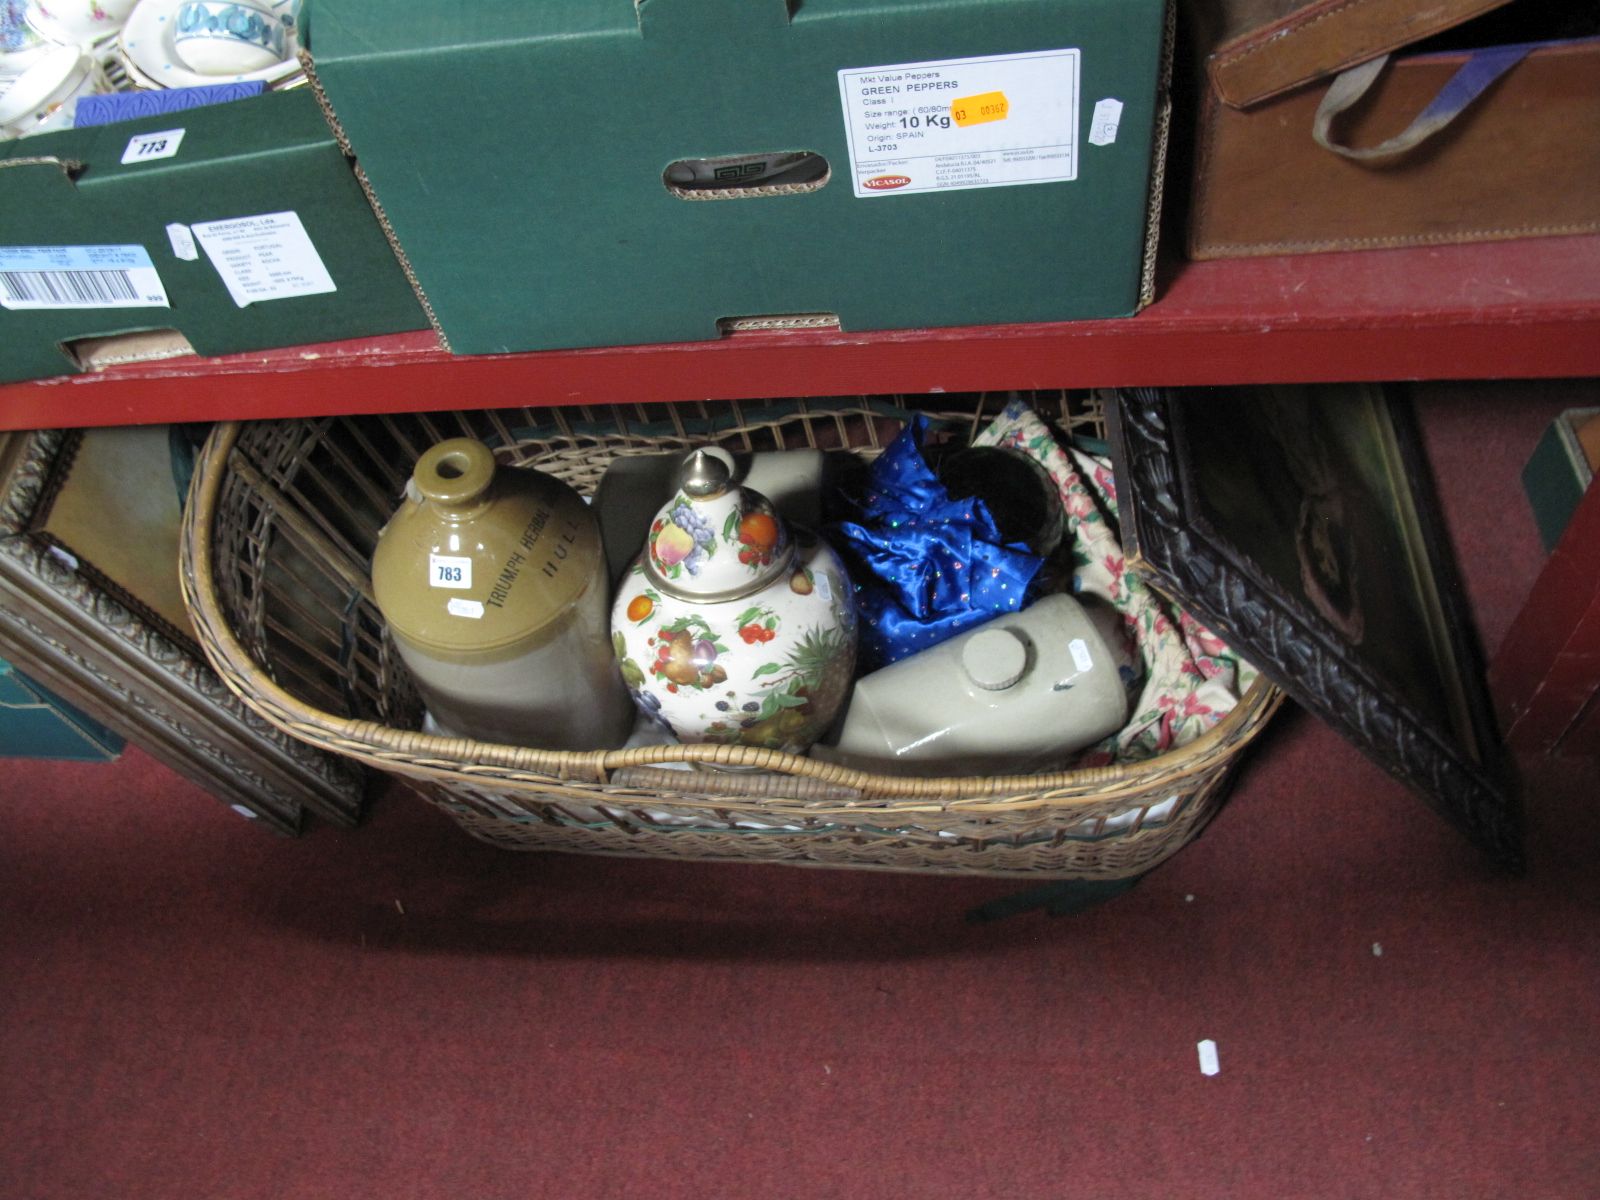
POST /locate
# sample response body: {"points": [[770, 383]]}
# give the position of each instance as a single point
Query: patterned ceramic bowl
{"points": [[226, 37]]}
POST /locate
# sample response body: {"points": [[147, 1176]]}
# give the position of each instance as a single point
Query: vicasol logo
{"points": [[886, 183]]}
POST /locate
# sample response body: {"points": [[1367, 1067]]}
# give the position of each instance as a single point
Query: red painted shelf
{"points": [[1519, 309]]}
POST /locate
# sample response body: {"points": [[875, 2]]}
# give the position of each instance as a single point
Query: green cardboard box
{"points": [[36, 723], [167, 223], [558, 174]]}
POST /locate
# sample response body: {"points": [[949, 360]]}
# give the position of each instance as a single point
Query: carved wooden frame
{"points": [[84, 640], [1169, 539]]}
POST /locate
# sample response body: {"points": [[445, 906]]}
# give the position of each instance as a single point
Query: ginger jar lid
{"points": [[715, 540], [480, 556]]}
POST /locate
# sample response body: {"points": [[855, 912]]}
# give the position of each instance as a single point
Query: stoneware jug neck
{"points": [[456, 476]]}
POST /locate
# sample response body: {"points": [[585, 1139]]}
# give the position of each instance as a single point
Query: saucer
{"points": [[50, 82], [147, 48]]}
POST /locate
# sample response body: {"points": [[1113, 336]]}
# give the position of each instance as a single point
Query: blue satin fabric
{"points": [[925, 566]]}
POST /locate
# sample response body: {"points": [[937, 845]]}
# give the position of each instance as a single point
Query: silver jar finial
{"points": [[706, 472]]}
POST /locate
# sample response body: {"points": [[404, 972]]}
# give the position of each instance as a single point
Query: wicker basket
{"points": [[281, 522]]}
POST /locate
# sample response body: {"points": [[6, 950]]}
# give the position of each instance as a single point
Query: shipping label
{"points": [[960, 123], [54, 277], [265, 257]]}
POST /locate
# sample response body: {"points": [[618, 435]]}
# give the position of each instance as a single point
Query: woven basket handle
{"points": [[1481, 69]]}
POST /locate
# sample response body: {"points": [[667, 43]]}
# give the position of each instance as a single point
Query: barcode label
{"points": [[57, 288], [52, 277]]}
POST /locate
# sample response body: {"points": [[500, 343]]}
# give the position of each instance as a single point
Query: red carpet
{"points": [[192, 1007]]}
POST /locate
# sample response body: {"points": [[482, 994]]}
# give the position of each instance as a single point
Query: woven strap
{"points": [[1473, 78]]}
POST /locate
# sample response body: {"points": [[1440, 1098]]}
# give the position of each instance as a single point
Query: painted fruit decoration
{"points": [[730, 627]]}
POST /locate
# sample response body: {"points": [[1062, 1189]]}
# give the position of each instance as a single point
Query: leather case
{"points": [[1260, 48], [1446, 146]]}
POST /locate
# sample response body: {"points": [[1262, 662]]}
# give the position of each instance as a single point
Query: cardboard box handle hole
{"points": [[97, 353], [747, 176]]}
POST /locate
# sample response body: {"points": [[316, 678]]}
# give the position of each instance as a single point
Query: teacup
{"points": [[232, 37], [45, 96], [78, 22], [17, 34], [20, 50], [21, 45]]}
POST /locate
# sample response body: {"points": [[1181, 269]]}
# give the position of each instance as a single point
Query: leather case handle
{"points": [[1481, 69]]}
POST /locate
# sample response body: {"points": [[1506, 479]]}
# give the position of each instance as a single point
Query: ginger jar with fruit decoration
{"points": [[731, 627]]}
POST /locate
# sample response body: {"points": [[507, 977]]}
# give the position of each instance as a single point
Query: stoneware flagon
{"points": [[732, 627], [492, 580]]}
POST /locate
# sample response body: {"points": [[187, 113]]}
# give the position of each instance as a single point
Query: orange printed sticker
{"points": [[981, 109]]}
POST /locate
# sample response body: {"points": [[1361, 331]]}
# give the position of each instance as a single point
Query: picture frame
{"points": [[131, 556], [99, 639], [1299, 523]]}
